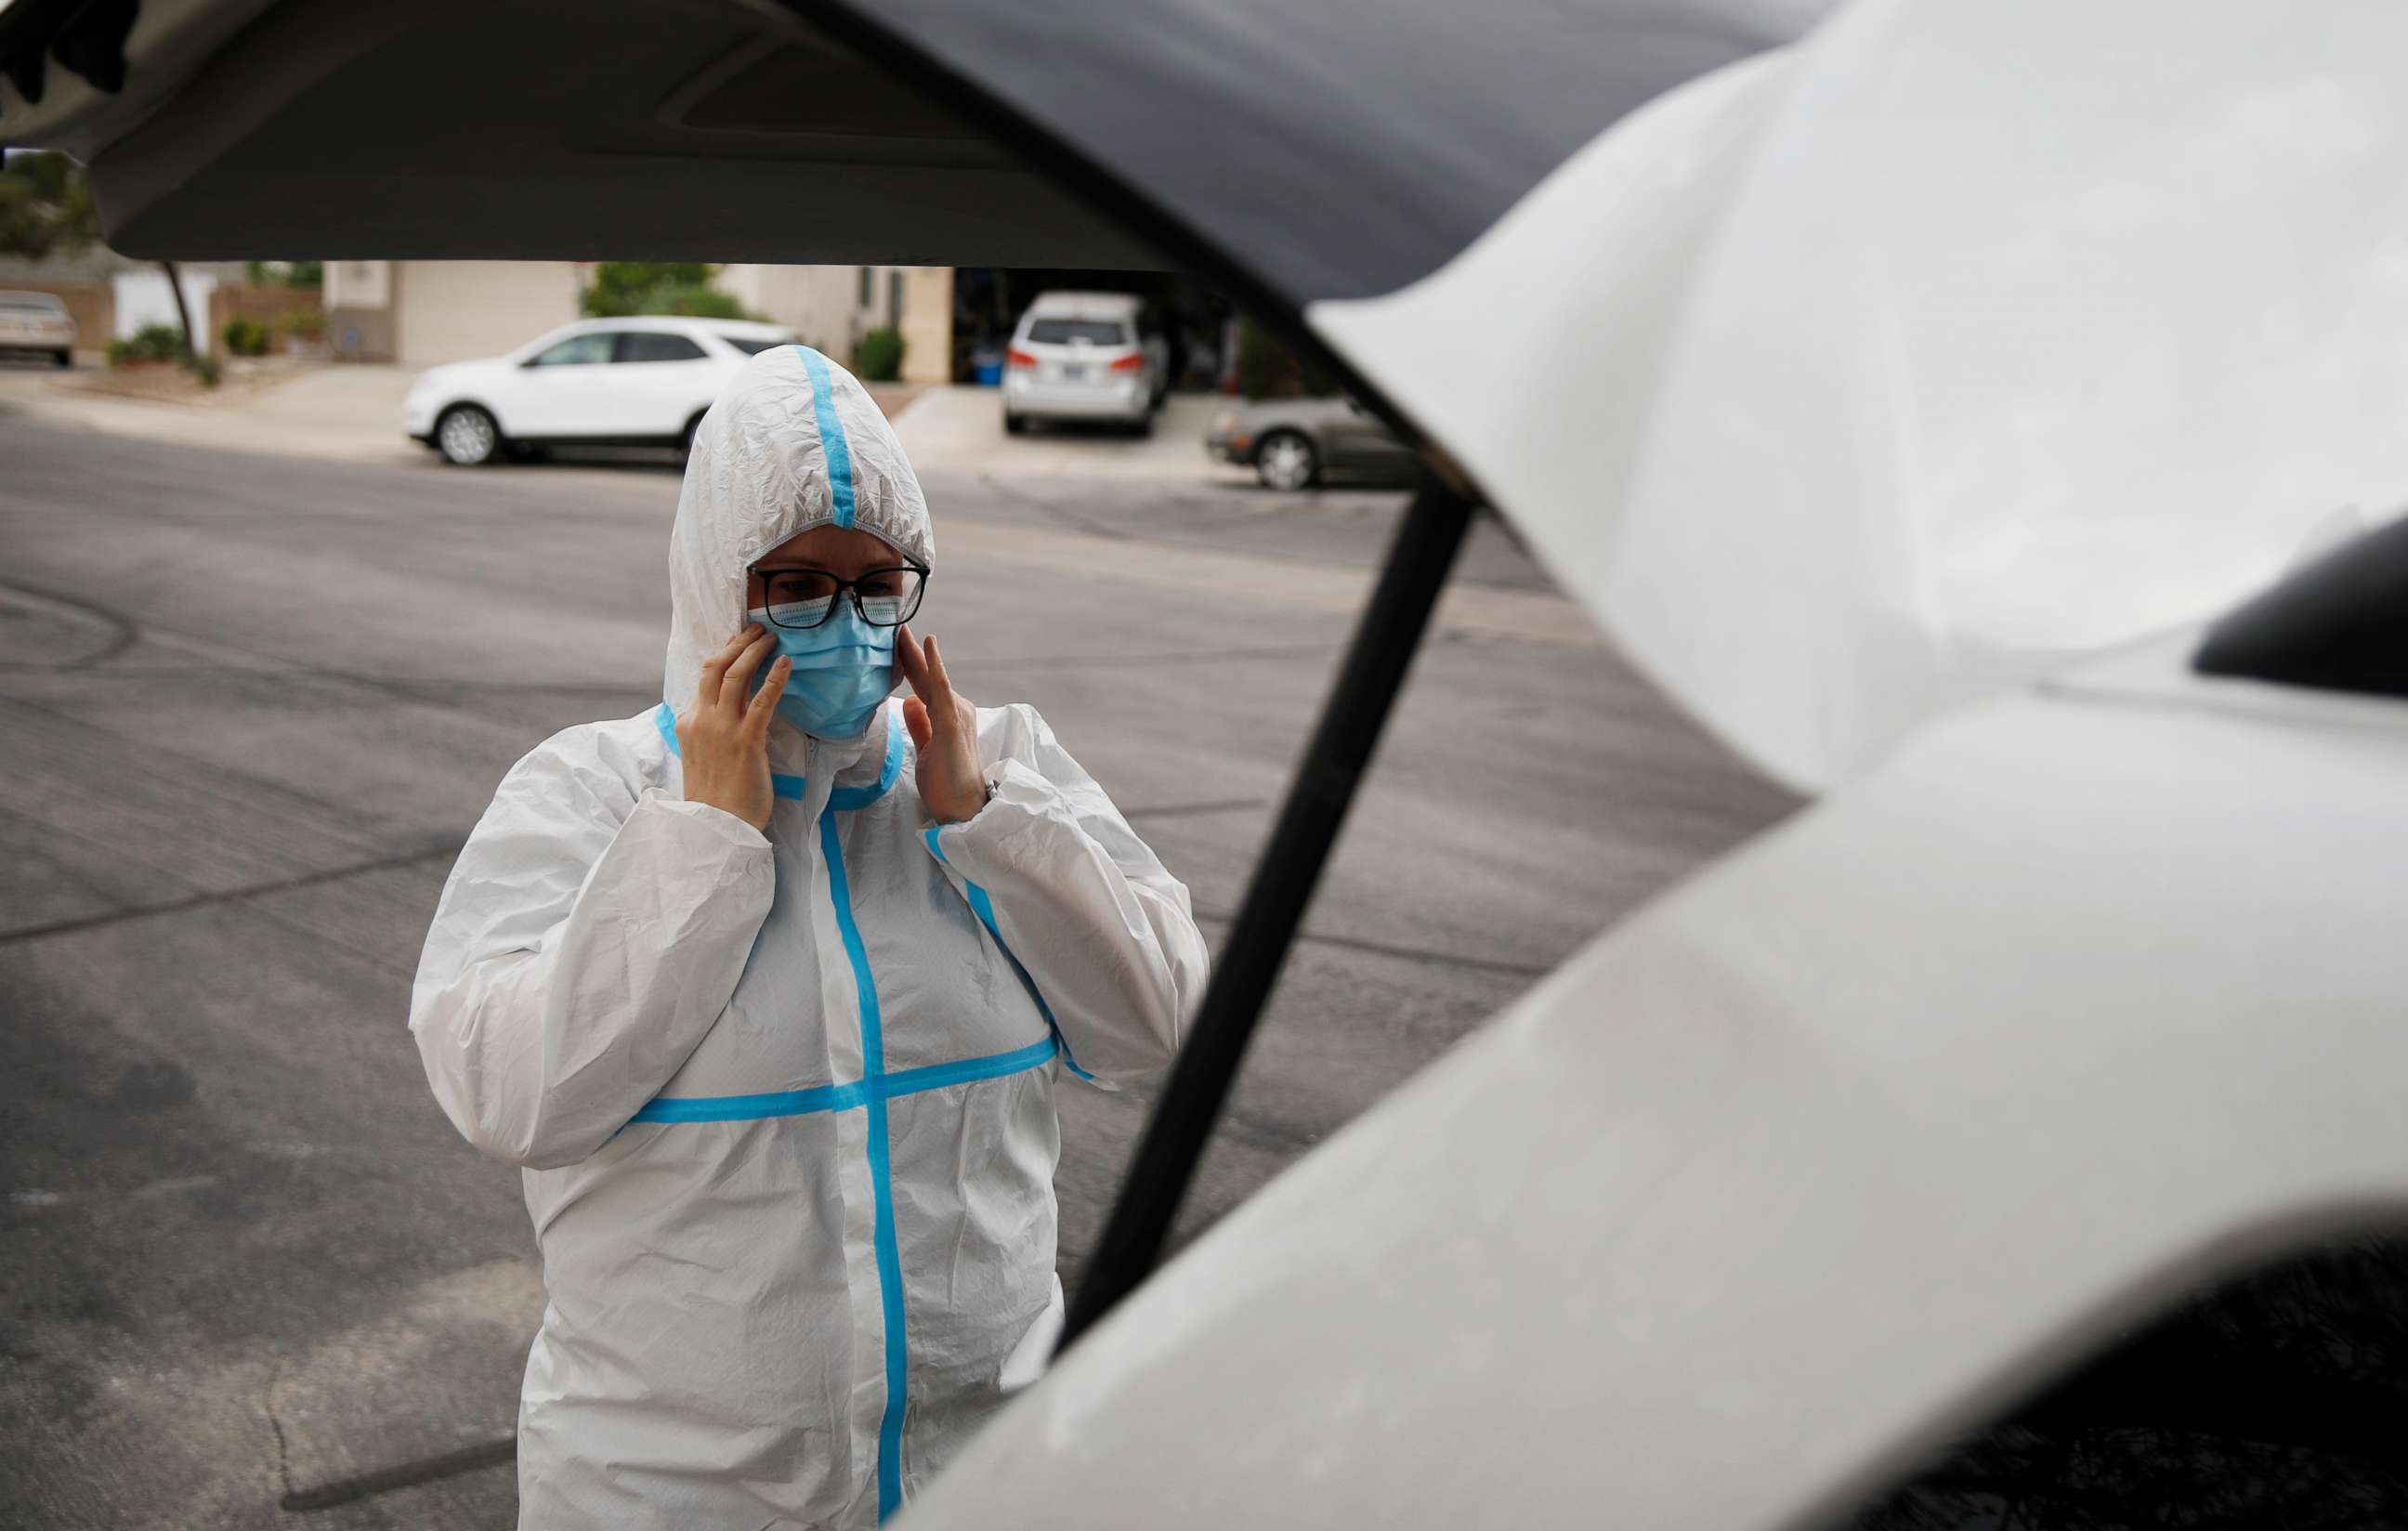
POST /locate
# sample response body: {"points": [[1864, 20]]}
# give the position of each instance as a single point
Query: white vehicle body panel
{"points": [[1960, 339], [654, 399], [556, 399], [1121, 396], [1820, 1157]]}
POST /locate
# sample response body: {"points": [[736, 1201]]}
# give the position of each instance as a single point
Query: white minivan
{"points": [[1081, 356]]}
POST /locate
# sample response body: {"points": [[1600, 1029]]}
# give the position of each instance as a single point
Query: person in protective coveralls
{"points": [[767, 990]]}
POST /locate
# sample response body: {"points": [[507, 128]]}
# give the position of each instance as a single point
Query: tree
{"points": [[45, 208], [621, 288]]}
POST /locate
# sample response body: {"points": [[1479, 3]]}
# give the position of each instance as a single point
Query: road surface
{"points": [[248, 707]]}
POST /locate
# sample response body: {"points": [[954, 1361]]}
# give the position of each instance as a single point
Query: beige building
{"points": [[832, 306], [422, 313]]}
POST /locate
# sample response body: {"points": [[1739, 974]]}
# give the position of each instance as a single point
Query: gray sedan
{"points": [[1295, 443]]}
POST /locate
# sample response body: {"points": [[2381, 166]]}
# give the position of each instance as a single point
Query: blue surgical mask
{"points": [[842, 670]]}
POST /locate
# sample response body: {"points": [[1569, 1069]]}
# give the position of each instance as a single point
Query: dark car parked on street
{"points": [[1294, 444]]}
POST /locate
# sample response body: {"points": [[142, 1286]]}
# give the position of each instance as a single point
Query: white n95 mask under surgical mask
{"points": [[842, 668]]}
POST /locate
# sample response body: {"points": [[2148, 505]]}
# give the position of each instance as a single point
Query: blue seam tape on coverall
{"points": [[983, 906], [881, 1189], [822, 1097], [832, 442], [876, 1087], [845, 1097], [849, 798]]}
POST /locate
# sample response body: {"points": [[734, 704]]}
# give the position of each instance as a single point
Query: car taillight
{"points": [[1019, 358], [1130, 363]]}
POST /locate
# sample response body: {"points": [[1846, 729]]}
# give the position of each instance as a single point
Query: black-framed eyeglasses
{"points": [[805, 597]]}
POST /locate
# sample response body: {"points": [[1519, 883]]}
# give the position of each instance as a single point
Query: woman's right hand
{"points": [[724, 738]]}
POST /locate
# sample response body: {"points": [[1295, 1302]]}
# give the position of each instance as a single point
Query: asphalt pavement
{"points": [[249, 706]]}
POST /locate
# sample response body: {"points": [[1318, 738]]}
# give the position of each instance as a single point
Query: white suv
{"points": [[615, 382], [1081, 356]]}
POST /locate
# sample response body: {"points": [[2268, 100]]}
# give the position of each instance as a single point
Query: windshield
{"points": [[40, 302], [1087, 332], [753, 348]]}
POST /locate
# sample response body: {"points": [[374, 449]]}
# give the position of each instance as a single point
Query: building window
{"points": [[895, 298], [864, 303]]}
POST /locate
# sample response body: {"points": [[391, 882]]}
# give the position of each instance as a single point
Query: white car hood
{"points": [[1859, 380], [1831, 1153]]}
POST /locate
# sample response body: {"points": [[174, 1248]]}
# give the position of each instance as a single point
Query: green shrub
{"points": [[623, 289], [150, 343], [246, 337], [692, 302], [163, 343], [879, 357], [285, 273]]}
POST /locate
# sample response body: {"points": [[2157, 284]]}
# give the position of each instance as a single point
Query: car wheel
{"points": [[1286, 462], [468, 436], [685, 437], [63, 358], [1014, 424]]}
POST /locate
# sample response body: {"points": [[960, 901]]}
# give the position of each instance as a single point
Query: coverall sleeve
{"points": [[591, 933], [1103, 932]]}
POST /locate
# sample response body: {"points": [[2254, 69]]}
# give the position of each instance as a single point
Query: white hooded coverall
{"points": [[784, 1101]]}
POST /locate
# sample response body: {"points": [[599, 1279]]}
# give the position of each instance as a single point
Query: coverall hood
{"points": [[793, 442]]}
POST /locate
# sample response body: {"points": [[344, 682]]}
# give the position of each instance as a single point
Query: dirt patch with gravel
{"points": [[163, 382]]}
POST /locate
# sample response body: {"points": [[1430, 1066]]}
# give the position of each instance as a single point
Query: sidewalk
{"points": [[351, 412], [346, 413]]}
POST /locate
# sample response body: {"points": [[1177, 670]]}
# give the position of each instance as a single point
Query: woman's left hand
{"points": [[944, 733]]}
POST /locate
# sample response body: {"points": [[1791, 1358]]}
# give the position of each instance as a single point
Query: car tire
{"points": [[685, 437], [63, 358], [1014, 424], [1285, 461], [467, 436]]}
